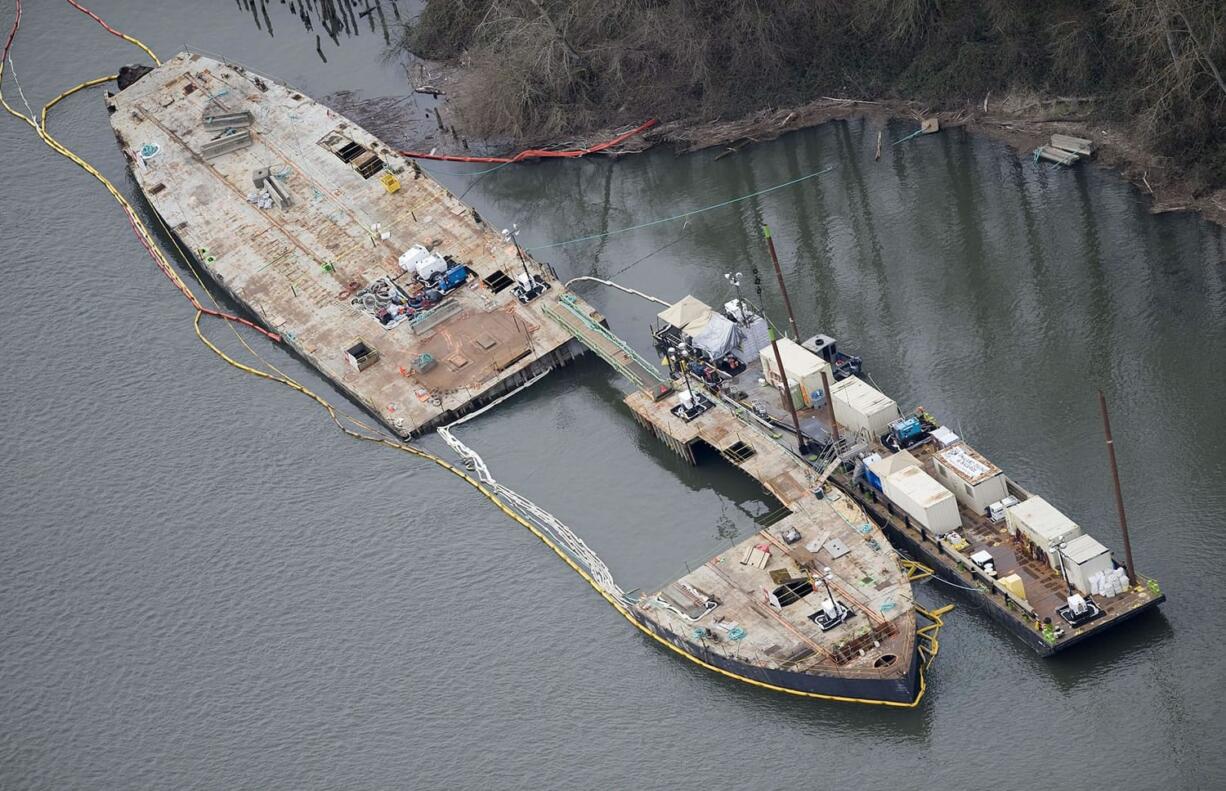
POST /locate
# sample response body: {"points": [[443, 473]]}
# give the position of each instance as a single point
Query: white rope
{"points": [[546, 521], [499, 399], [20, 92], [542, 518]]}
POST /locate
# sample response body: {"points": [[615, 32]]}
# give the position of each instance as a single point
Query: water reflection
{"points": [[998, 294], [335, 18]]}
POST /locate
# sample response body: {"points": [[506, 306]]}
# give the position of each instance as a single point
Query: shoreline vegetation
{"points": [[1144, 79]]}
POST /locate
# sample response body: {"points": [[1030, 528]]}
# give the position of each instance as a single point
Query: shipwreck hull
{"points": [[902, 690]]}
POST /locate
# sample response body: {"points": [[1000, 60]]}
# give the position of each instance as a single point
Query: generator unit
{"points": [[907, 431], [452, 279]]}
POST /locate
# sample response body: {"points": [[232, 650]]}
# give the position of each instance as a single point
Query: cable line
{"points": [[682, 216]]}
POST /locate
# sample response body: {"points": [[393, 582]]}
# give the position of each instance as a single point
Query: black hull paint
{"points": [[902, 690]]}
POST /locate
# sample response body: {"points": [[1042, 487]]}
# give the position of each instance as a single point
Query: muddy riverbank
{"points": [[1022, 122]]}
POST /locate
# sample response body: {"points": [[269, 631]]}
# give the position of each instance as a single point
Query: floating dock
{"points": [[1034, 617], [303, 217], [1065, 150]]}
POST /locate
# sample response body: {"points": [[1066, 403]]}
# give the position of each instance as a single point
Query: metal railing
{"points": [[589, 326]]}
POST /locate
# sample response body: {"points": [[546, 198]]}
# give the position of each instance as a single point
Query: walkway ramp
{"points": [[568, 312]]}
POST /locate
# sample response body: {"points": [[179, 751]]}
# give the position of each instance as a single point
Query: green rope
{"points": [[916, 133], [432, 170], [691, 213]]}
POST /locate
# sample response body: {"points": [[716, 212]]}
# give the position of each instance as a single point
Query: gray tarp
{"points": [[718, 337]]}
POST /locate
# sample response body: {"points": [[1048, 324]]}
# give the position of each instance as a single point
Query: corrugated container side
{"points": [[861, 407], [940, 516]]}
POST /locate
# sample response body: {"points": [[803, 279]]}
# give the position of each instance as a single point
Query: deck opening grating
{"points": [[739, 452], [497, 281]]}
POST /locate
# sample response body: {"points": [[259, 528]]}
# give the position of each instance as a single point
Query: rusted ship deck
{"points": [[303, 266], [872, 655]]}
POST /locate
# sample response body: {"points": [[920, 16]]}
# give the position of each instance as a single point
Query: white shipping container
{"points": [[803, 368], [1040, 523], [885, 466], [861, 407], [1085, 557], [923, 499]]}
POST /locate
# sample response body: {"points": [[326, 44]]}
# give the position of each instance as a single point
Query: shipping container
{"points": [[1084, 557], [882, 467], [923, 499], [975, 481], [873, 479], [802, 367], [1040, 524], [861, 407]]}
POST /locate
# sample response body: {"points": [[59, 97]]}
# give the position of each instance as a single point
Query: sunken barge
{"points": [[406, 300]]}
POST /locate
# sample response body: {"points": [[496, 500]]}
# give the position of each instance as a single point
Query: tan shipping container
{"points": [[923, 499], [861, 407], [1041, 524], [803, 368]]}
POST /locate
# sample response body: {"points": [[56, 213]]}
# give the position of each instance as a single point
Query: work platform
{"points": [[1046, 591], [314, 252], [1035, 617]]}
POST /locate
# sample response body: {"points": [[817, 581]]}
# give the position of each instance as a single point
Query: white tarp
{"points": [[718, 337], [738, 311]]}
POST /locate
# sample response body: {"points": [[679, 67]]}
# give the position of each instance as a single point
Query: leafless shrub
{"points": [[540, 68]]}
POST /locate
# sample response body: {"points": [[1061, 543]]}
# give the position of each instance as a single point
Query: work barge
{"points": [[405, 299], [1016, 556]]}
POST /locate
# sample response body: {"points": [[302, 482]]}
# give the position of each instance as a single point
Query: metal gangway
{"points": [[610, 348]]}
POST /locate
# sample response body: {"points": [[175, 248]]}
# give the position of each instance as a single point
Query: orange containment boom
{"points": [[537, 153]]}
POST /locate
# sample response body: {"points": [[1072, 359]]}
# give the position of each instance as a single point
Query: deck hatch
{"points": [[350, 151], [739, 452], [497, 281], [791, 592], [368, 165]]}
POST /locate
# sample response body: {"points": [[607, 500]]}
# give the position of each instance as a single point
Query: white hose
{"points": [[579, 550], [627, 289]]}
